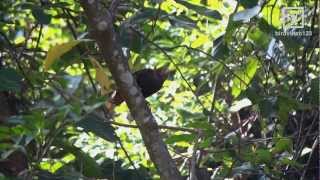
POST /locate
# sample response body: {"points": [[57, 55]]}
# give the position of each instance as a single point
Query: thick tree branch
{"points": [[102, 30]]}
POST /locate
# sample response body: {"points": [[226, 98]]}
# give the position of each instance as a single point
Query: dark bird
{"points": [[150, 81]]}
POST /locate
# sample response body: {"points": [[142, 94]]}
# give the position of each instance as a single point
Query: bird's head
{"points": [[163, 73]]}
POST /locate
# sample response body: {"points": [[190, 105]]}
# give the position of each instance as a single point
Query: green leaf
{"points": [[10, 80], [57, 51], [180, 138], [101, 77], [201, 10], [92, 123], [244, 76], [283, 144], [83, 161], [259, 38], [182, 21], [41, 16], [286, 161], [187, 115], [264, 156], [201, 40]]}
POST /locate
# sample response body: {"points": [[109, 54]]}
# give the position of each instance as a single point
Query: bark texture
{"points": [[100, 22]]}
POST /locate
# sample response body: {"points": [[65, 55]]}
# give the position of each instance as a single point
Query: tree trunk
{"points": [[100, 22]]}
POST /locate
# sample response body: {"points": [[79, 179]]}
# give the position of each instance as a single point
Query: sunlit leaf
{"points": [[180, 138], [101, 77], [259, 38], [57, 51], [202, 39], [81, 160]]}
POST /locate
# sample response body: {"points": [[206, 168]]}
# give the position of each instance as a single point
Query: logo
{"points": [[293, 22], [292, 17]]}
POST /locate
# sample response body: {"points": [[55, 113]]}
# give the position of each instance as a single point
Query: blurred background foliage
{"points": [[246, 100]]}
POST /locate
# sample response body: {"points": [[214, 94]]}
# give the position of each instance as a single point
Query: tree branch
{"points": [[102, 30]]}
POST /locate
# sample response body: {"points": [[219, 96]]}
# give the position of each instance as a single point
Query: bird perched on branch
{"points": [[150, 81]]}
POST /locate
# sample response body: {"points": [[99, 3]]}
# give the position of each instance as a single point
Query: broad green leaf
{"points": [[189, 116], [259, 38], [182, 21], [244, 76], [101, 77], [283, 144], [201, 10], [291, 162], [273, 19], [5, 146], [91, 123], [10, 80], [82, 161], [180, 138], [57, 51], [201, 40], [264, 156]]}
